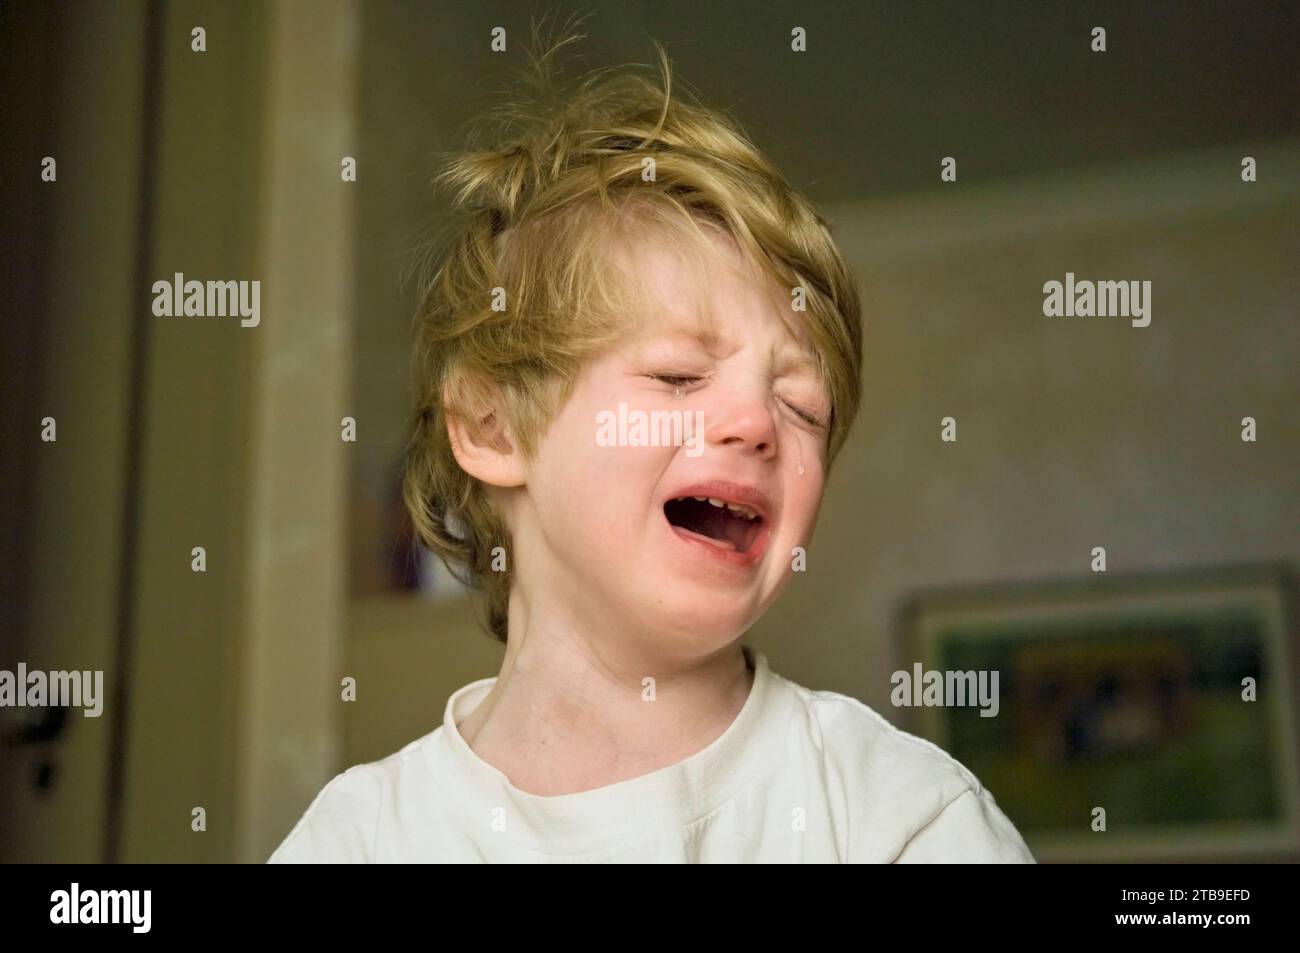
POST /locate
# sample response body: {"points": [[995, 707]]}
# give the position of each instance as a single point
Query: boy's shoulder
{"points": [[342, 822], [907, 798], [853, 733]]}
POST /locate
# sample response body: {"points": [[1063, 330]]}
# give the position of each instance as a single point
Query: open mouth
{"points": [[730, 526]]}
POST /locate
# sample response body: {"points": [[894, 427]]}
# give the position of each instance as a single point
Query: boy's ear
{"points": [[483, 445]]}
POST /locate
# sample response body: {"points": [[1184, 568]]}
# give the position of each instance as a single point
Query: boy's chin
{"points": [[702, 622]]}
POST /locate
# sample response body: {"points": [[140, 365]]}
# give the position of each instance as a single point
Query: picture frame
{"points": [[1124, 729]]}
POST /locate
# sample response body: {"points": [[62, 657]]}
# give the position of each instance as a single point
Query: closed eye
{"points": [[685, 380], [802, 414], [673, 380]]}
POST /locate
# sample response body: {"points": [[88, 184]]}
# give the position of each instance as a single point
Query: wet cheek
{"points": [[804, 501]]}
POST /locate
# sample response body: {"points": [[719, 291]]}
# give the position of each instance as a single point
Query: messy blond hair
{"points": [[534, 216]]}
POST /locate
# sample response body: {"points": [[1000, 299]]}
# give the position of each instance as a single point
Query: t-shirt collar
{"points": [[670, 797]]}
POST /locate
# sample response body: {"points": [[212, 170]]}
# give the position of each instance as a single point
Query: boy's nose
{"points": [[742, 423]]}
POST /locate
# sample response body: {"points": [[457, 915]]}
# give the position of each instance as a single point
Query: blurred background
{"points": [[1120, 689]]}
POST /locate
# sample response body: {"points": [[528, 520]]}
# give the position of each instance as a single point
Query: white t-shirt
{"points": [[800, 776]]}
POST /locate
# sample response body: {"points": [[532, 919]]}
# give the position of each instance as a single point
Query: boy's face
{"points": [[607, 525]]}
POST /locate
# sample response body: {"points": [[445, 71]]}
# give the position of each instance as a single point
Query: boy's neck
{"points": [[561, 719]]}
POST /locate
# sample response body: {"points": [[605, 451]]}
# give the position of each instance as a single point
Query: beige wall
{"points": [[1072, 432], [235, 672], [181, 672], [288, 709]]}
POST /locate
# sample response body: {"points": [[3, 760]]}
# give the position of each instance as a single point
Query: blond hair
{"points": [[534, 217]]}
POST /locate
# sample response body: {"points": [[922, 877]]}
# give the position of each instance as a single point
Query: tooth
{"points": [[700, 499], [737, 508], [716, 502]]}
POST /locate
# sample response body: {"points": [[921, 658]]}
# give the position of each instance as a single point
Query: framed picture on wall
{"points": [[1147, 717]]}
